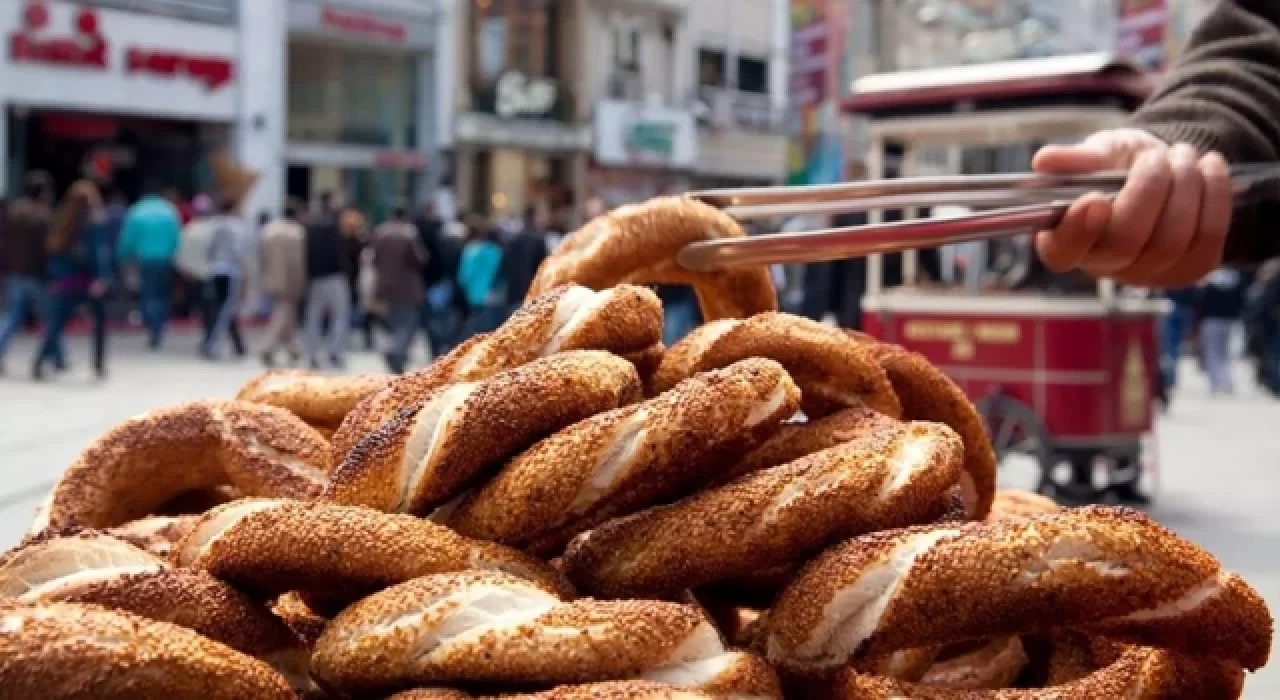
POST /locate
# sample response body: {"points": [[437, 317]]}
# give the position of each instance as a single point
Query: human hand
{"points": [[1167, 226]]}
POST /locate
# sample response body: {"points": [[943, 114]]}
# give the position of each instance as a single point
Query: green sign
{"points": [[658, 138]]}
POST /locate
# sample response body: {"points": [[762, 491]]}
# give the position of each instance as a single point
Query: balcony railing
{"points": [[727, 107], [211, 11]]}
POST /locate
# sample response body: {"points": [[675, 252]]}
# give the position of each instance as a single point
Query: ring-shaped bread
{"points": [[622, 320], [69, 651], [832, 370], [1111, 571], [330, 550], [618, 462], [893, 477], [133, 469], [429, 452], [638, 244], [492, 628], [322, 400]]}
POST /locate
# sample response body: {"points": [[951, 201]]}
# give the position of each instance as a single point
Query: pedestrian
{"points": [[328, 289], [524, 253], [439, 278], [228, 265], [150, 237], [1266, 317], [1174, 329], [1220, 305], [479, 268], [24, 255], [80, 269], [1175, 219], [354, 242], [283, 255], [399, 260]]}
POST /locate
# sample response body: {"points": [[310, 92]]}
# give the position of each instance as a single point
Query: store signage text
{"points": [[210, 71], [363, 25], [85, 48], [519, 96], [657, 139]]}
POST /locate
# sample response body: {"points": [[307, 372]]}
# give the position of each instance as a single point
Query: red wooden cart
{"points": [[1067, 381]]}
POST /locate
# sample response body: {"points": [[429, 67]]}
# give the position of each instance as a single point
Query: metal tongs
{"points": [[1010, 205]]}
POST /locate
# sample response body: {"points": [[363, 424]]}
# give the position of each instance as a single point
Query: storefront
{"points": [[143, 97], [641, 151], [518, 139], [360, 117]]}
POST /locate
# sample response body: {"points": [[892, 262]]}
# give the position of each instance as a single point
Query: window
{"points": [[711, 68], [514, 36], [626, 48], [753, 74]]}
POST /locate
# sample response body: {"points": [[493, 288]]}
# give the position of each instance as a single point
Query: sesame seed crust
{"points": [[1087, 568], [638, 244], [488, 627], [325, 548], [157, 534], [893, 477], [624, 319], [129, 472], [623, 460], [322, 400], [795, 440], [928, 394], [497, 418], [67, 650], [1012, 504], [832, 370], [615, 690]]}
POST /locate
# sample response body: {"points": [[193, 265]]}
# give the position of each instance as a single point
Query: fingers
{"points": [[1076, 159], [1134, 215], [1081, 229], [1212, 224], [1175, 227]]}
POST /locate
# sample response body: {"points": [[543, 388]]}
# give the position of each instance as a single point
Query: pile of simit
{"points": [[566, 509]]}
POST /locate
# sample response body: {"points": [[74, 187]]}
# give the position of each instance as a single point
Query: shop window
{"points": [[352, 96], [516, 41], [711, 68], [753, 74]]}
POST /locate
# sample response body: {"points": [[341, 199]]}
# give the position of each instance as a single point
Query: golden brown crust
{"points": [[433, 450], [993, 666], [896, 476], [638, 244], [324, 548], [321, 400], [1014, 504], [623, 460], [795, 440], [129, 472], [615, 690], [305, 623], [928, 394], [61, 651], [832, 370], [157, 534], [487, 627], [1102, 569], [622, 320], [647, 362]]}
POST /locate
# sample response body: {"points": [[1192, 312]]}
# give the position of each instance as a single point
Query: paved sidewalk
{"points": [[1219, 458]]}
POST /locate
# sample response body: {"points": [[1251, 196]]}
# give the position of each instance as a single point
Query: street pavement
{"points": [[1219, 458]]}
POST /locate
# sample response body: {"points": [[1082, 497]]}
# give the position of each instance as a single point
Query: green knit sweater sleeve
{"points": [[1224, 95]]}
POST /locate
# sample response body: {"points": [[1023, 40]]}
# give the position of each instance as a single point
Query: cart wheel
{"points": [[1015, 429]]}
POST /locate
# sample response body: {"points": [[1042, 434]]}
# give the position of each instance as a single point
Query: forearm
{"points": [[1224, 95]]}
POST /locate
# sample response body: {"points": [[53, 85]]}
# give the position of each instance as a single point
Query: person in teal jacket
{"points": [[479, 268], [149, 237]]}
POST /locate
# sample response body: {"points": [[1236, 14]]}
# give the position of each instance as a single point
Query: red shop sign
{"points": [[211, 71], [365, 25], [85, 48]]}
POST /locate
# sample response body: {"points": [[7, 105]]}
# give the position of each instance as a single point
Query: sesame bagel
{"points": [[157, 534], [638, 244], [893, 477], [623, 460], [1012, 504], [992, 666], [833, 371], [274, 547], [140, 464], [429, 452], [622, 320], [927, 393], [92, 567], [66, 651], [1108, 570], [493, 628], [322, 400], [796, 440], [614, 690]]}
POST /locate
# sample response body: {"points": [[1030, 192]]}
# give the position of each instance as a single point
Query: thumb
{"points": [[1078, 159]]}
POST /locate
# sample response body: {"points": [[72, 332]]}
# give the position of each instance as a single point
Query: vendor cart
{"points": [[1065, 380]]}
